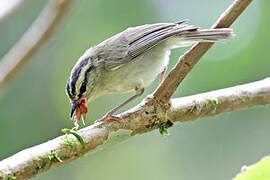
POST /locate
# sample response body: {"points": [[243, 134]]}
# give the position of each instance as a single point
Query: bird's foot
{"points": [[109, 118]]}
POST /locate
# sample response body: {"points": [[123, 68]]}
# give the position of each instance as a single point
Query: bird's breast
{"points": [[141, 72]]}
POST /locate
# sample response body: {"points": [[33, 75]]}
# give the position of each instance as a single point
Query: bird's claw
{"points": [[109, 118]]}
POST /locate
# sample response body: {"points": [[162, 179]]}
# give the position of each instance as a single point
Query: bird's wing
{"points": [[133, 42]]}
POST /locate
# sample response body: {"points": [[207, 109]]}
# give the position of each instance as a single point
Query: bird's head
{"points": [[79, 87]]}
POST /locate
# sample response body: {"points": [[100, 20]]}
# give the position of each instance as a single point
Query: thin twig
{"points": [[40, 32], [63, 149]]}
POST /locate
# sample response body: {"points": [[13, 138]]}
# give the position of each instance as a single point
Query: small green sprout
{"points": [[54, 157], [11, 177], [73, 132], [163, 128], [213, 102]]}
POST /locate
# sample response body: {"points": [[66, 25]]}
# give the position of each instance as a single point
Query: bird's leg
{"points": [[162, 75], [109, 115], [139, 92]]}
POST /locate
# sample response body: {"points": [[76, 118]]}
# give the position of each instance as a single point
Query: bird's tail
{"points": [[209, 35], [188, 35]]}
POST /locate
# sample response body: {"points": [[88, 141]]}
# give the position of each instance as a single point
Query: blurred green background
{"points": [[35, 107]]}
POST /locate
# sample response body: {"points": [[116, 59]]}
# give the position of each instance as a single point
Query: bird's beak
{"points": [[73, 108], [78, 110]]}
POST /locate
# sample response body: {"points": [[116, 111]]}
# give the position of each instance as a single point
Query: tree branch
{"points": [[63, 149], [191, 57], [39, 32], [221, 101]]}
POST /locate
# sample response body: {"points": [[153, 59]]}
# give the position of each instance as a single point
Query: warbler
{"points": [[130, 61]]}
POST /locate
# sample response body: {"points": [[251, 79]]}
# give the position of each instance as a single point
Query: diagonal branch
{"points": [[38, 33], [190, 58], [63, 149]]}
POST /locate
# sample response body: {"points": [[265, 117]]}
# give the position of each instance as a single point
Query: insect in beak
{"points": [[80, 110]]}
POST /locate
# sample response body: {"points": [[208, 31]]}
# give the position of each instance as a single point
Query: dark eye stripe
{"points": [[75, 75], [85, 80]]}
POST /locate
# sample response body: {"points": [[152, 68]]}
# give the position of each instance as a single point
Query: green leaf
{"points": [[258, 171], [163, 128]]}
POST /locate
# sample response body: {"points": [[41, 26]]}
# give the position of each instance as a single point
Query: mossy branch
{"points": [[143, 118]]}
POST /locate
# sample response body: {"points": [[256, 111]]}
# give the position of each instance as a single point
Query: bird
{"points": [[130, 61]]}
